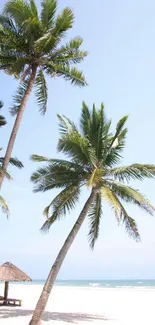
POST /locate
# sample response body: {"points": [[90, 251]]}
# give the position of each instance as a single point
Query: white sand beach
{"points": [[83, 306]]}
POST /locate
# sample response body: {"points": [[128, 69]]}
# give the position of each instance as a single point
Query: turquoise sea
{"points": [[99, 283]]}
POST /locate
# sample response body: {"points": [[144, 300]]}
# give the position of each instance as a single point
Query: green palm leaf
{"points": [[18, 10], [4, 206], [110, 197], [120, 212], [7, 175], [34, 9], [15, 162], [130, 224], [64, 202], [134, 171], [94, 216], [70, 52], [48, 13], [17, 99], [85, 120], [78, 148], [63, 22], [38, 158], [2, 118], [73, 75], [66, 125], [41, 92], [130, 195], [57, 174]]}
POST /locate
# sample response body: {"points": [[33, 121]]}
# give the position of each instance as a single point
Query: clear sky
{"points": [[120, 69]]}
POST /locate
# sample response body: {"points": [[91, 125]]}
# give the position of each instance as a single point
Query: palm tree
{"points": [[31, 45], [13, 161], [94, 154]]}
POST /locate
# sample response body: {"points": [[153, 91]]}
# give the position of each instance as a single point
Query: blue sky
{"points": [[120, 69]]}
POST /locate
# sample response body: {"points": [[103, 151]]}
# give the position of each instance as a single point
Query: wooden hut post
{"points": [[6, 289]]}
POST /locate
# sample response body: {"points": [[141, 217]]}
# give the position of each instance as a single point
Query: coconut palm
{"points": [[94, 153], [13, 161], [32, 46]]}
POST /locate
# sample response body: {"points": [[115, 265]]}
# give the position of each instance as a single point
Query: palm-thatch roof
{"points": [[11, 273]]}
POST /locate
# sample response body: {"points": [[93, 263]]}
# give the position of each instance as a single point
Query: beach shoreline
{"points": [[83, 306]]}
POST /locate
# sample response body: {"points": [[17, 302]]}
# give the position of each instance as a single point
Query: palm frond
{"points": [[41, 92], [94, 216], [120, 132], [16, 162], [120, 125], [34, 9], [95, 177], [73, 75], [1, 104], [38, 158], [69, 48], [42, 42], [66, 125], [57, 162], [7, 59], [2, 120], [6, 24], [77, 148], [85, 120], [63, 23], [32, 29], [113, 155], [13, 161], [18, 10], [131, 227], [48, 13], [134, 171], [72, 58], [17, 99], [99, 131], [120, 213], [130, 195], [95, 127], [110, 198], [46, 45], [130, 224], [4, 206], [7, 175], [18, 67], [64, 202], [57, 174], [69, 53], [116, 144]]}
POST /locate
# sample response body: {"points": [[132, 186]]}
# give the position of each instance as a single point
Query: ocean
{"points": [[99, 283]]}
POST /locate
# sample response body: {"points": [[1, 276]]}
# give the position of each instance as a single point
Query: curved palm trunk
{"points": [[41, 304], [17, 123]]}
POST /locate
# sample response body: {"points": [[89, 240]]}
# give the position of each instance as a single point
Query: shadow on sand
{"points": [[6, 312]]}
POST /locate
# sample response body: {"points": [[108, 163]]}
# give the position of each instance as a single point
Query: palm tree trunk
{"points": [[17, 123], [41, 304]]}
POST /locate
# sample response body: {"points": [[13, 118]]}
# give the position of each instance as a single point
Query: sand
{"points": [[83, 306]]}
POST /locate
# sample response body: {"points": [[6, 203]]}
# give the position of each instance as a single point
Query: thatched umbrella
{"points": [[11, 273]]}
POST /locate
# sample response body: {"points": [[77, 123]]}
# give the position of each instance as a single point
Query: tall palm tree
{"points": [[32, 45], [94, 154], [13, 161]]}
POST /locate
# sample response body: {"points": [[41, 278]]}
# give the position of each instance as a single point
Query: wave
{"points": [[94, 284], [124, 286]]}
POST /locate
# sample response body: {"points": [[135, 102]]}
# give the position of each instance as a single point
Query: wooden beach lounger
{"points": [[10, 302]]}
